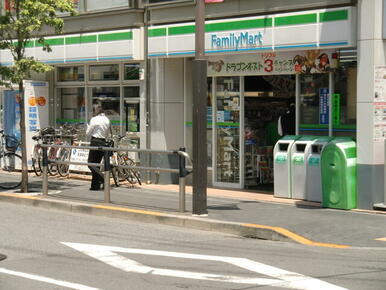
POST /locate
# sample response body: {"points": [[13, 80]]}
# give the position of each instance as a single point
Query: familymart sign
{"points": [[237, 40], [312, 29]]}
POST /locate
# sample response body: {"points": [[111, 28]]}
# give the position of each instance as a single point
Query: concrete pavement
{"points": [[243, 213]]}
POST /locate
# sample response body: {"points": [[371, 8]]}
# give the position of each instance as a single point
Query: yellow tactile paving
{"points": [[296, 237]]}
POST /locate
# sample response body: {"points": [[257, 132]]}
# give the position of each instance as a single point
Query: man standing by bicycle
{"points": [[97, 131]]}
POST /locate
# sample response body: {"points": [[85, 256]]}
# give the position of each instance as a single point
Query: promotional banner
{"points": [[36, 111], [274, 63], [11, 114]]}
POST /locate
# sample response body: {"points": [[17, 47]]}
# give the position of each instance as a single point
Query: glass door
{"points": [[226, 133]]}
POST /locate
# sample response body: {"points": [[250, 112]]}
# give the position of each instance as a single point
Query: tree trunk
{"points": [[24, 167]]}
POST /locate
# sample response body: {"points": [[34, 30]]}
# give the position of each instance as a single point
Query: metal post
{"points": [[200, 162], [297, 104], [107, 168], [45, 171], [330, 103], [382, 205], [182, 181]]}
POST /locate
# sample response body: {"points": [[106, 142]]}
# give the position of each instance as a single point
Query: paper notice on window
{"points": [[379, 103]]}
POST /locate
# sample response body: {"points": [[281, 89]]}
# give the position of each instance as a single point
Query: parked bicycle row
{"points": [[61, 136]]}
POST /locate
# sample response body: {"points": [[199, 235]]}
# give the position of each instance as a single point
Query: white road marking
{"points": [[282, 278], [47, 280]]}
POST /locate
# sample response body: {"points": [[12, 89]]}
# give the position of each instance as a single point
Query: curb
{"points": [[179, 220]]}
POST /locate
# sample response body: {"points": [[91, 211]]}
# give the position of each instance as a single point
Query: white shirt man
{"points": [[98, 130], [99, 127]]}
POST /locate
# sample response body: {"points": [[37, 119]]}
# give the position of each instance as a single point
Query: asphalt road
{"points": [[57, 250]]}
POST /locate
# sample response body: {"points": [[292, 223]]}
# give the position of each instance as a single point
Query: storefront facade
{"points": [[104, 67], [139, 63], [256, 69]]}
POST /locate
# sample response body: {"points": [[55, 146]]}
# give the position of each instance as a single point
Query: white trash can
{"points": [[299, 154], [282, 166]]}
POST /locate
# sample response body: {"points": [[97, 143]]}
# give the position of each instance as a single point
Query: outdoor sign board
{"points": [[313, 29]]}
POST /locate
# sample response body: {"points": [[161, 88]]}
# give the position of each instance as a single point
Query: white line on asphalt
{"points": [[47, 280], [282, 278]]}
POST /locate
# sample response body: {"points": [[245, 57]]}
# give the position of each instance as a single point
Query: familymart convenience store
{"points": [[258, 67], [104, 67]]}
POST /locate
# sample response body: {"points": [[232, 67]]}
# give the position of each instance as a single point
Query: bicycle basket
{"points": [[11, 143]]}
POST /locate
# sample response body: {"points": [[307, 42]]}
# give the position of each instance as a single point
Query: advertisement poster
{"points": [[380, 103], [36, 111], [11, 114], [274, 63], [323, 106]]}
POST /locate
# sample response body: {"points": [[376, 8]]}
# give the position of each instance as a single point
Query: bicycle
{"points": [[9, 161], [122, 158], [43, 136], [58, 137]]}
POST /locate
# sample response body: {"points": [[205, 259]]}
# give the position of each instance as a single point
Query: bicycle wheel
{"points": [[64, 155], [11, 177], [37, 157], [131, 175], [52, 155]]}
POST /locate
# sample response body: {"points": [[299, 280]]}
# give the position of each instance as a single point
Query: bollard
{"points": [[107, 167], [45, 171], [182, 180]]}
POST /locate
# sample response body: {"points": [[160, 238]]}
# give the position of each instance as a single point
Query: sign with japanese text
{"points": [[324, 107], [379, 103], [274, 63], [36, 110]]}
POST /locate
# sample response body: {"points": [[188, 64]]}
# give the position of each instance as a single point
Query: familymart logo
{"points": [[237, 40]]}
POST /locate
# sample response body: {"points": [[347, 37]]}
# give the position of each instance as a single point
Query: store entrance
{"points": [[266, 99]]}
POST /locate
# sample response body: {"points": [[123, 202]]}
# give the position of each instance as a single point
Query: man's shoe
{"points": [[95, 188]]}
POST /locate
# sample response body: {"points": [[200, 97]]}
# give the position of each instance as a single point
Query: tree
{"points": [[21, 22]]}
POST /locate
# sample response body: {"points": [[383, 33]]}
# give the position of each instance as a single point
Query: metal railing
{"points": [[182, 171]]}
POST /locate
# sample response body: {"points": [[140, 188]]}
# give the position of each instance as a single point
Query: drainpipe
{"points": [[147, 88]]}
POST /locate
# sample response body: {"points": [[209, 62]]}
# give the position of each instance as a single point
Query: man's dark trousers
{"points": [[95, 156]]}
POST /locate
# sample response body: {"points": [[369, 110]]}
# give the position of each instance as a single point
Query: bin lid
{"points": [[323, 139], [306, 138], [342, 139], [290, 137]]}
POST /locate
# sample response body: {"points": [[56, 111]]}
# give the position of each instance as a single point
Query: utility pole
{"points": [[200, 159]]}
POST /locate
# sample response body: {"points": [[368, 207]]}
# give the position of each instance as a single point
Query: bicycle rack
{"points": [[182, 171]]}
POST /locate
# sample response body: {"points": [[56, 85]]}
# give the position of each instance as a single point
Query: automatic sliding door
{"points": [[227, 132]]}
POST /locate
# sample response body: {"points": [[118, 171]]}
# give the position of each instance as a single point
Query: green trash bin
{"points": [[338, 164]]}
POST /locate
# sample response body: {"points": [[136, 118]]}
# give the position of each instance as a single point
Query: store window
{"points": [[131, 109], [109, 98], [70, 74], [131, 115], [345, 98], [131, 92], [71, 106], [108, 72], [314, 90], [131, 71], [227, 130], [105, 4]]}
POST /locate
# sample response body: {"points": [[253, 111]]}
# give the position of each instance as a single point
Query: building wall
{"points": [[234, 8], [371, 52], [166, 112]]}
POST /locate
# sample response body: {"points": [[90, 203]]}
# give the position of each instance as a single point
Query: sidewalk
{"points": [[244, 213]]}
